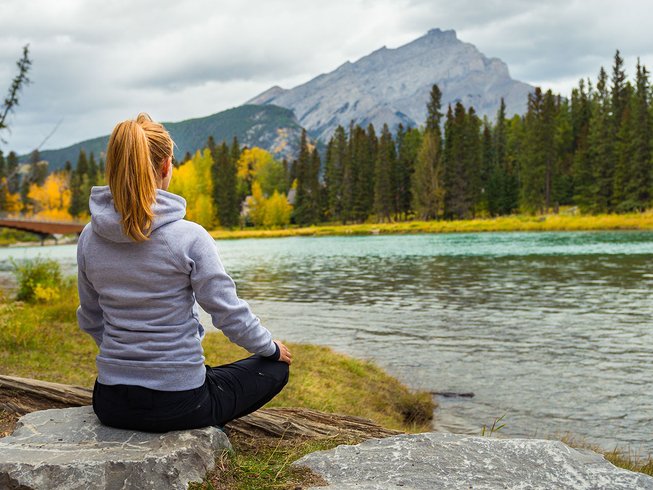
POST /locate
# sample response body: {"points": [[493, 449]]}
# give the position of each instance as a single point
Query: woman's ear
{"points": [[167, 166]]}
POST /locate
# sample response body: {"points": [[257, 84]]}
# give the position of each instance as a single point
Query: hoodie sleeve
{"points": [[89, 313], [215, 291]]}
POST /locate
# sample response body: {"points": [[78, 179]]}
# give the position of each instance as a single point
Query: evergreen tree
{"points": [[582, 166], [13, 179], [306, 205], [472, 161], [458, 202], [562, 186], [384, 198], [620, 92], [539, 157], [334, 172], [487, 167], [92, 171], [3, 169], [433, 109], [632, 179], [79, 187], [408, 146], [224, 175], [427, 185], [601, 147]]}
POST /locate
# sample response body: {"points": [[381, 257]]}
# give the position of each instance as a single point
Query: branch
{"points": [[20, 80]]}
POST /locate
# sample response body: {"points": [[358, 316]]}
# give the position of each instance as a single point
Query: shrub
{"points": [[38, 279]]}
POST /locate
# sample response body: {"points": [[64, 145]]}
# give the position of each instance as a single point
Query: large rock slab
{"points": [[449, 461], [69, 449]]}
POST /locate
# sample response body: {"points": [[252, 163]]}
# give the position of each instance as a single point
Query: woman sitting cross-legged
{"points": [[141, 269]]}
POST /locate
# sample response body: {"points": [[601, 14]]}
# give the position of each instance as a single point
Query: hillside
{"points": [[392, 86], [270, 127]]}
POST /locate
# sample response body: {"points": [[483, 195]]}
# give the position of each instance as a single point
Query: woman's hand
{"points": [[284, 353]]}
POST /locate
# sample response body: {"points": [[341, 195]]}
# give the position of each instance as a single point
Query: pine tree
{"points": [[305, 211], [223, 173], [427, 187], [92, 171], [601, 147], [334, 172], [13, 178], [472, 161], [487, 167], [433, 109], [408, 145], [582, 166], [383, 173], [563, 183], [632, 180]]}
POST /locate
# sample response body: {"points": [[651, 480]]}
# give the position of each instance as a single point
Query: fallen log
{"points": [[25, 395]]}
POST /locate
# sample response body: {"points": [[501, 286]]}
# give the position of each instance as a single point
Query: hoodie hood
{"points": [[106, 221]]}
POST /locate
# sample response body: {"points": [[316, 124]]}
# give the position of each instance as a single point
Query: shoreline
{"points": [[503, 224], [517, 223]]}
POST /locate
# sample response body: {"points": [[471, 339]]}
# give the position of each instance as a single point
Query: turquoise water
{"points": [[551, 330]]}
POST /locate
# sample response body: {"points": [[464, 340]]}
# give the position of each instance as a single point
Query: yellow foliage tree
{"points": [[269, 212], [52, 199], [277, 210], [193, 182], [256, 204]]}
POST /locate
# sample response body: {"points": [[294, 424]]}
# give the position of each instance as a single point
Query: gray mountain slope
{"points": [[392, 86]]}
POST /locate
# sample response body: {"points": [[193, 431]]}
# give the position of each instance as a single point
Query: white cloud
{"points": [[97, 62]]}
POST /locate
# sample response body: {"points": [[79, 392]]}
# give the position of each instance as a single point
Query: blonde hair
{"points": [[135, 154]]}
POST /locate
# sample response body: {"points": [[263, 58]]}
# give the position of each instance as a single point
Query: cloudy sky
{"points": [[97, 62]]}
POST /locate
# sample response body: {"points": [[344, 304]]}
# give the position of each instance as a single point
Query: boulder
{"points": [[438, 460], [69, 449]]}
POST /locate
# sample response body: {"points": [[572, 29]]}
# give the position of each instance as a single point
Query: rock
{"points": [[449, 461], [69, 449]]}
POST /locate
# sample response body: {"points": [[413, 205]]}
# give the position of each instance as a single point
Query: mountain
{"points": [[270, 127], [392, 86]]}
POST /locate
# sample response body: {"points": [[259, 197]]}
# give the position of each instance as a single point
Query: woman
{"points": [[141, 269]]}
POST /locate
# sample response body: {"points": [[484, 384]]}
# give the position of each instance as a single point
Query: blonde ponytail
{"points": [[135, 153]]}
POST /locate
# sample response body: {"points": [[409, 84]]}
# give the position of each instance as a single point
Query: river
{"points": [[552, 331]]}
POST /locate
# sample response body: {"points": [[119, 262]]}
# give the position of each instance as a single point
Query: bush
{"points": [[38, 279]]}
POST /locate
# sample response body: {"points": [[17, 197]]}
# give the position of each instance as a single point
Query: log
{"points": [[25, 395]]}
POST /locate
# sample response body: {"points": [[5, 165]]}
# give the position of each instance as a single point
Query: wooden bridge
{"points": [[42, 228]]}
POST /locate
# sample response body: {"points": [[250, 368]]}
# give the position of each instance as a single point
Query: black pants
{"points": [[229, 392]]}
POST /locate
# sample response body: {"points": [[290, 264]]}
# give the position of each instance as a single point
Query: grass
{"points": [[623, 458], [9, 236], [553, 222]]}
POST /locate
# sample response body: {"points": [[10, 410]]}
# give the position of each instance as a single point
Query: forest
{"points": [[590, 153]]}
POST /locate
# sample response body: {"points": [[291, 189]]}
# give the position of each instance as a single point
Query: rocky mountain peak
{"points": [[392, 85]]}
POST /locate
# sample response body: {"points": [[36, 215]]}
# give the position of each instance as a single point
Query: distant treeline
{"points": [[592, 151]]}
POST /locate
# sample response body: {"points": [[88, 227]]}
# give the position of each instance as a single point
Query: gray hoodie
{"points": [[138, 299]]}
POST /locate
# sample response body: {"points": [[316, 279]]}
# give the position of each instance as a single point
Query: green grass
{"points": [[553, 222], [621, 457], [9, 236]]}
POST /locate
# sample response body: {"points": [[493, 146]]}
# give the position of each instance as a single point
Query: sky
{"points": [[96, 63]]}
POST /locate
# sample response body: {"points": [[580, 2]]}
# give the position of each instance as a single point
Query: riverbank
{"points": [[553, 222], [42, 341]]}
